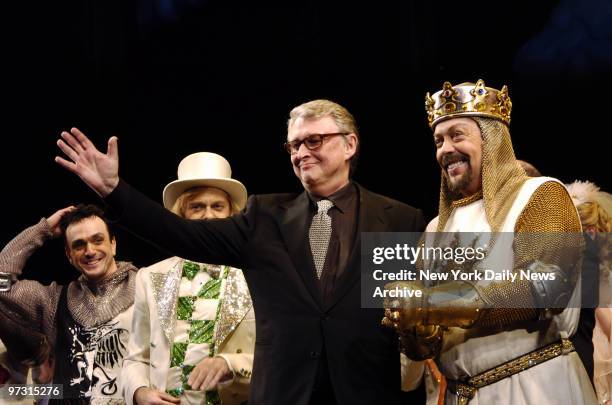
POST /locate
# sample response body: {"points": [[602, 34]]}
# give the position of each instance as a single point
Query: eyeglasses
{"points": [[311, 142]]}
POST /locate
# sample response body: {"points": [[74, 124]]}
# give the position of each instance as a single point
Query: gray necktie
{"points": [[319, 234]]}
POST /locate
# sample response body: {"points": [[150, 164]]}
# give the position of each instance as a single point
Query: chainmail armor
{"points": [[502, 176], [561, 246], [94, 304], [29, 301]]}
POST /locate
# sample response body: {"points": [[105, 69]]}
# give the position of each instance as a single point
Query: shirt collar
{"points": [[340, 198]]}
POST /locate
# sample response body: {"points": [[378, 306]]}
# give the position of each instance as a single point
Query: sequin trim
{"points": [[236, 304], [165, 292]]}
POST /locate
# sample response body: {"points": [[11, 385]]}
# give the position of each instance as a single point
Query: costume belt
{"points": [[466, 390]]}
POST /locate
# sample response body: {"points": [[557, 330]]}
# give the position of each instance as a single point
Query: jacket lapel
{"points": [[294, 228], [235, 304], [165, 291], [372, 218]]}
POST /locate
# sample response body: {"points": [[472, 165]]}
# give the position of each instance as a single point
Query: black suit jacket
{"points": [[269, 242]]}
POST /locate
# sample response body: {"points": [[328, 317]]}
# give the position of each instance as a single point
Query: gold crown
{"points": [[468, 99]]}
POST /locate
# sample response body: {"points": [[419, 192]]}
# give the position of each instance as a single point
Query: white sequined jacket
{"points": [[148, 359]]}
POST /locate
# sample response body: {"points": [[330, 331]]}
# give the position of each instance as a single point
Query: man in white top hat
{"points": [[193, 332]]}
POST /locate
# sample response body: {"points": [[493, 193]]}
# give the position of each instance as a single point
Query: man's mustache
{"points": [[454, 157]]}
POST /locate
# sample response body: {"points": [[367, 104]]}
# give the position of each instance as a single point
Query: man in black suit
{"points": [[315, 344]]}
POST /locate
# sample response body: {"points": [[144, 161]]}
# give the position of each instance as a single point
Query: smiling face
{"points": [[210, 202], [325, 169], [459, 152], [90, 249]]}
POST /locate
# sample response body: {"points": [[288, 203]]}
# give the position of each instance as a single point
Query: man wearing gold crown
{"points": [[502, 341]]}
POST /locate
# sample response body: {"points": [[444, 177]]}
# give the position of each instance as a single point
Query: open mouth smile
{"points": [[454, 164], [91, 263]]}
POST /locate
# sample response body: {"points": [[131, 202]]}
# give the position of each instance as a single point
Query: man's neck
{"points": [[327, 189], [466, 192]]}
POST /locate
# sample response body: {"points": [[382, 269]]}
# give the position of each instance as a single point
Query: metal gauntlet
{"points": [[552, 294], [455, 303]]}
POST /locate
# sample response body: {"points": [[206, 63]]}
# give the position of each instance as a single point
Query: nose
{"points": [[89, 251], [302, 152], [208, 213], [447, 147]]}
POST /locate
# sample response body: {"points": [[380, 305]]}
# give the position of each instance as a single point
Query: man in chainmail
{"points": [[87, 322], [504, 341], [194, 326]]}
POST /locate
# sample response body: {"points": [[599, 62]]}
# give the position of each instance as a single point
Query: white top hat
{"points": [[205, 169]]}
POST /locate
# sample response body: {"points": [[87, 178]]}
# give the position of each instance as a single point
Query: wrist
{"points": [[109, 186], [46, 228]]}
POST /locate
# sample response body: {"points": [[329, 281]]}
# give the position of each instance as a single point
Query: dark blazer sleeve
{"points": [[216, 241]]}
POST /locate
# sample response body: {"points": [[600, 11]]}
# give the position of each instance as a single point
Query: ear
{"points": [[350, 143], [114, 246]]}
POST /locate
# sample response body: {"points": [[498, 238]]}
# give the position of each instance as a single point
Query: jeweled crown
{"points": [[468, 99]]}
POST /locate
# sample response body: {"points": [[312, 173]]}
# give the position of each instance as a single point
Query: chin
{"points": [[97, 276], [92, 273], [308, 180]]}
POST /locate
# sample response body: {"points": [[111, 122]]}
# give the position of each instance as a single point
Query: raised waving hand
{"points": [[100, 171]]}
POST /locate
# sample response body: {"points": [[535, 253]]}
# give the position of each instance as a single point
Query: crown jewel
{"points": [[468, 99]]}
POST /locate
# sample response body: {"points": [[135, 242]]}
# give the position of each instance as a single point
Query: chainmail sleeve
{"points": [[28, 303], [548, 235]]}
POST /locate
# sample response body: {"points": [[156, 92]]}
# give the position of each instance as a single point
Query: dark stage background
{"points": [[172, 77]]}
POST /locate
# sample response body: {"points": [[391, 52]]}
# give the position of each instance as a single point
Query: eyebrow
{"points": [[81, 240]]}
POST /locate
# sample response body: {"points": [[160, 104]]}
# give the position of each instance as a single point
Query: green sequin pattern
{"points": [[177, 356], [201, 331], [210, 290], [187, 369], [190, 269], [185, 308]]}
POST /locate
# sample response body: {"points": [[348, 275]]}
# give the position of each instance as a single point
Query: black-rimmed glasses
{"points": [[311, 142]]}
